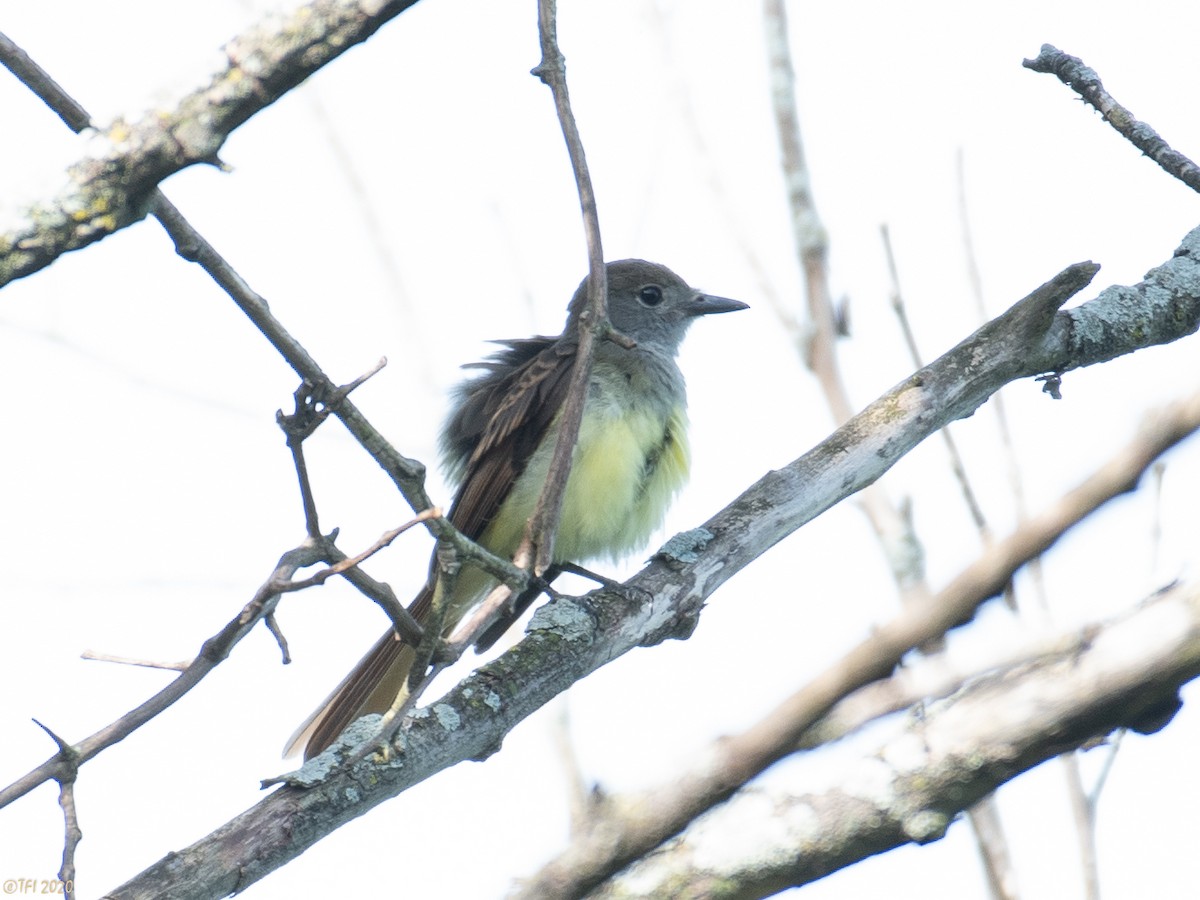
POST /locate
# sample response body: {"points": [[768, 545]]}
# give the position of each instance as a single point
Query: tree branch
{"points": [[635, 825], [63, 765], [591, 324], [1071, 71], [113, 183]]}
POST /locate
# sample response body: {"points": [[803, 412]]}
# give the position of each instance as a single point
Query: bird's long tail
{"points": [[371, 687]]}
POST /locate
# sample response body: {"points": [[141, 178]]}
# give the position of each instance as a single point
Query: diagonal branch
{"points": [[113, 183], [214, 651], [633, 826], [1082, 79]]}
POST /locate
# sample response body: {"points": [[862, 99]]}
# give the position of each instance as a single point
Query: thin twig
{"points": [[992, 844], [1156, 532], [579, 798], [435, 623], [66, 800], [134, 661], [811, 239], [933, 677], [74, 834], [1071, 71], [297, 427], [901, 546], [404, 623], [997, 404], [1114, 747], [212, 653], [537, 546], [277, 632], [1085, 825], [957, 466], [382, 541]]}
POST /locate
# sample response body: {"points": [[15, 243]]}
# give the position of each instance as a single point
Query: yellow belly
{"points": [[628, 465]]}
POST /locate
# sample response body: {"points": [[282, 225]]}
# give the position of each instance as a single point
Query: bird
{"points": [[630, 460]]}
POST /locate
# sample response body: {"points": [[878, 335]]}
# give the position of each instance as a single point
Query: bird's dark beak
{"points": [[706, 305]]}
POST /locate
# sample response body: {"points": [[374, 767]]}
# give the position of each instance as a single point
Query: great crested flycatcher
{"points": [[630, 460]]}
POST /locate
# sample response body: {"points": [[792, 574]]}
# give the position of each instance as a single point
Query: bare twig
{"points": [[212, 653], [66, 872], [402, 620], [932, 677], [313, 404], [382, 541], [812, 242], [277, 632], [408, 475], [991, 842], [134, 661], [956, 460], [902, 548], [66, 800], [579, 799], [297, 427], [592, 322], [1114, 748], [1083, 815], [1071, 71]]}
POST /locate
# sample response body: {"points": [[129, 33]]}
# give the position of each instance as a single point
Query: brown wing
{"points": [[503, 417]]}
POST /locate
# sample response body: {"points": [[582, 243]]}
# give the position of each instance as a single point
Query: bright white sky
{"points": [[413, 200]]}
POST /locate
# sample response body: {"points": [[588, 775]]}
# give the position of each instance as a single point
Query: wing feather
{"points": [[499, 422]]}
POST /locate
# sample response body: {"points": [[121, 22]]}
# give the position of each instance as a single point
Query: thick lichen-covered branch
{"points": [[121, 163]]}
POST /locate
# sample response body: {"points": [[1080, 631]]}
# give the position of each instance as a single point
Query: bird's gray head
{"points": [[651, 304]]}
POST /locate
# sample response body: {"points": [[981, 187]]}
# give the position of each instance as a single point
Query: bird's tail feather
{"points": [[371, 687]]}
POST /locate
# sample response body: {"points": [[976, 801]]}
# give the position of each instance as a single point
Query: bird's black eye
{"points": [[650, 295]]}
